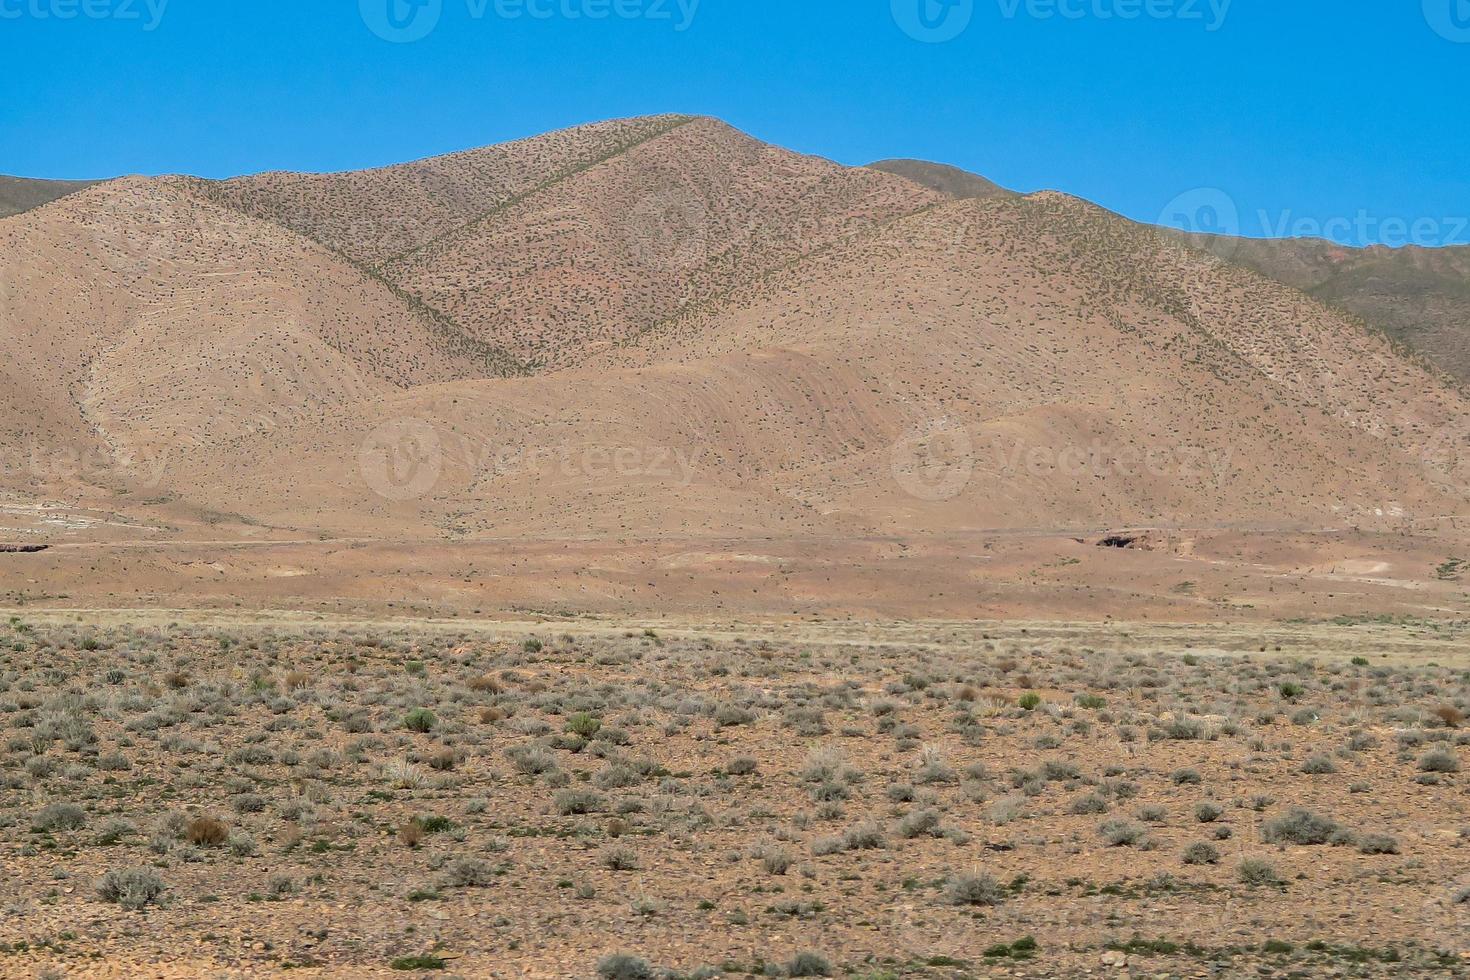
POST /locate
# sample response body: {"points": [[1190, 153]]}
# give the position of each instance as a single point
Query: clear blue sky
{"points": [[1299, 109]]}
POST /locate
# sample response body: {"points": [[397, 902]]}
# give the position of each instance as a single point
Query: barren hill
{"points": [[138, 314], [664, 330], [1418, 296]]}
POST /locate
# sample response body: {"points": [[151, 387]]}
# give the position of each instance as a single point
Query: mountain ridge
{"points": [[803, 338]]}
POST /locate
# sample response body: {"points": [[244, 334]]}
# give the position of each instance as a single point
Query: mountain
{"points": [[943, 179], [663, 329], [18, 194], [1420, 297], [557, 246]]}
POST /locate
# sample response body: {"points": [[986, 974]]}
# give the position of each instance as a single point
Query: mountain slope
{"points": [[602, 254], [1418, 296], [723, 340], [1030, 363], [373, 216], [943, 179], [21, 194], [138, 314]]}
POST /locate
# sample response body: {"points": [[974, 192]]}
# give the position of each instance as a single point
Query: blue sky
{"points": [[1261, 115]]}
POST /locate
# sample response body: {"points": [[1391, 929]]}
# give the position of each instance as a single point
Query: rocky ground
{"points": [[580, 800]]}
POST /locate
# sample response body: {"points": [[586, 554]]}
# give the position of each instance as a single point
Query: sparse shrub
{"points": [[1208, 812], [619, 859], [920, 823], [248, 803], [1439, 760], [1319, 765], [974, 888], [808, 965], [1121, 833], [583, 725], [132, 888], [775, 860], [1201, 852], [531, 760], [1089, 804], [206, 832], [115, 830], [1299, 826], [1378, 844], [621, 966], [577, 801], [420, 720], [1257, 872], [1449, 715], [59, 816], [470, 873], [1185, 729], [729, 715], [863, 837]]}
